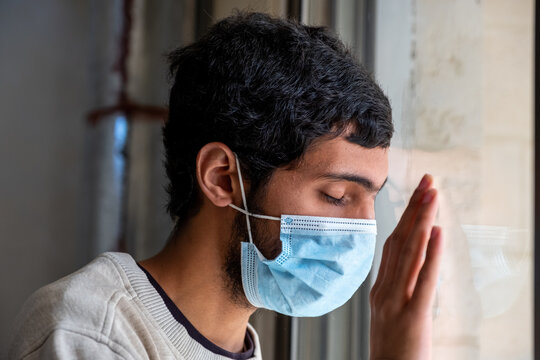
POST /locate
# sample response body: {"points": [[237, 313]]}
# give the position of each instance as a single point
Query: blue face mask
{"points": [[323, 261]]}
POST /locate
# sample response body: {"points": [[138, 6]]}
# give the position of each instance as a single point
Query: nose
{"points": [[366, 210]]}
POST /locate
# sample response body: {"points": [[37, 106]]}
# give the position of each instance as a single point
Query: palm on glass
{"points": [[402, 297]]}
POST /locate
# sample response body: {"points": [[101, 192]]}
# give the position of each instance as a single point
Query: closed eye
{"points": [[334, 201]]}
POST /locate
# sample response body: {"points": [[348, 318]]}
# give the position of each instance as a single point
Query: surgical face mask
{"points": [[323, 261]]}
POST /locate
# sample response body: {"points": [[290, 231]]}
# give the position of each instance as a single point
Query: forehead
{"points": [[341, 156]]}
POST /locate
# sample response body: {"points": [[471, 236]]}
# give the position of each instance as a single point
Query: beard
{"points": [[268, 245]]}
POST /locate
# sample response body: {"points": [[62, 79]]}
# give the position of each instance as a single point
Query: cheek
{"points": [[286, 194], [295, 202], [266, 237], [306, 201]]}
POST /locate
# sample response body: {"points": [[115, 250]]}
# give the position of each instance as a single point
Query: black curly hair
{"points": [[267, 88]]}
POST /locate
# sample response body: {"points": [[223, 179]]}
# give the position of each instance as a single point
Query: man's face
{"points": [[336, 178]]}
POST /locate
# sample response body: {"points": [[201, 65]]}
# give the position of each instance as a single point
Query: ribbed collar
{"points": [[185, 339]]}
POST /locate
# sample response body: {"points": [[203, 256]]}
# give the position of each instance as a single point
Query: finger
{"points": [[402, 230], [382, 269], [413, 252], [426, 284], [409, 215], [391, 249]]}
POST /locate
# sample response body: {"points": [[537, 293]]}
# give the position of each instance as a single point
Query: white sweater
{"points": [[111, 309]]}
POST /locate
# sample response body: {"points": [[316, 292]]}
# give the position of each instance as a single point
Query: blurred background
{"points": [[83, 93]]}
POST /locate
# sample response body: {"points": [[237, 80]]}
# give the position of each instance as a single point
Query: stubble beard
{"points": [[232, 268]]}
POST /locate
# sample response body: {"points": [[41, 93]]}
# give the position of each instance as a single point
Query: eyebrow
{"points": [[360, 180]]}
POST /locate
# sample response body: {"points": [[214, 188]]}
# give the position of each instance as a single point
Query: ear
{"points": [[216, 173]]}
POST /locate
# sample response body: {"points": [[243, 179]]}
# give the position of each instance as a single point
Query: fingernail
{"points": [[424, 183], [428, 197]]}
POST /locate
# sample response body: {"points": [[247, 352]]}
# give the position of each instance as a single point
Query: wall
{"points": [[44, 93], [57, 62]]}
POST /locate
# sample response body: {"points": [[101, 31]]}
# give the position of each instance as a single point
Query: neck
{"points": [[189, 269]]}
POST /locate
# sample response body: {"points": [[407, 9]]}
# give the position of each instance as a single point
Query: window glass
{"points": [[459, 75]]}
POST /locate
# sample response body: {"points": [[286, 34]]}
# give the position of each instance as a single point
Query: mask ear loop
{"points": [[254, 215], [244, 198], [246, 211]]}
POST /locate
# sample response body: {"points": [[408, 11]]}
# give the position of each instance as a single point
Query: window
{"points": [[459, 75]]}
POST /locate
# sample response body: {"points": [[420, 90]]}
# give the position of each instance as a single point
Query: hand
{"points": [[402, 297]]}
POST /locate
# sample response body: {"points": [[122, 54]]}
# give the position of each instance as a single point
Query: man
{"points": [[276, 147]]}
